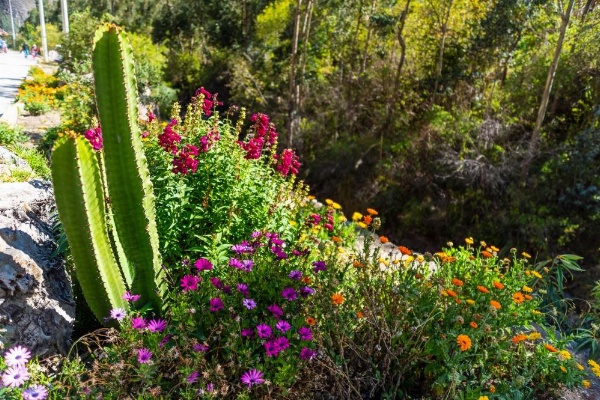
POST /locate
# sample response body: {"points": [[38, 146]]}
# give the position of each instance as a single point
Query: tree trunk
{"points": [[440, 63], [535, 136], [293, 66]]}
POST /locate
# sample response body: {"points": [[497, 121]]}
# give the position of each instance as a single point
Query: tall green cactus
{"points": [[131, 215]]}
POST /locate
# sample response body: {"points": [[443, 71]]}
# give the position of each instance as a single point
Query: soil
{"points": [[35, 126]]}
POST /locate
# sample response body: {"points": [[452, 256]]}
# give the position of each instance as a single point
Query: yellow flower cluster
{"points": [[594, 367]]}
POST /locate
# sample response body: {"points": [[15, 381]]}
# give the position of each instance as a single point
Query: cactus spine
{"points": [[80, 193]]}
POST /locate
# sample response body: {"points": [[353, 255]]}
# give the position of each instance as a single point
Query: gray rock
{"points": [[37, 309]]}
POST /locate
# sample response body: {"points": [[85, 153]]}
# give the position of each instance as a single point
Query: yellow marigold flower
{"points": [[293, 223], [395, 261], [484, 398], [586, 384], [311, 197], [473, 324], [372, 211], [469, 240], [342, 218], [405, 250], [409, 259], [498, 285], [328, 202], [444, 293], [383, 239], [528, 273], [495, 304], [482, 289], [536, 274], [563, 369], [526, 255], [336, 206], [367, 219], [536, 312], [494, 248], [550, 348], [534, 336], [362, 225], [564, 355], [483, 244], [518, 338], [492, 389], [384, 261], [356, 216], [580, 367], [527, 289], [470, 302], [595, 367], [457, 282], [518, 297], [464, 342], [420, 258], [337, 298]]}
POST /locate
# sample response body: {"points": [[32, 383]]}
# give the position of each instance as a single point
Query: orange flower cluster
{"points": [[495, 304], [482, 289], [464, 342], [498, 285], [405, 250], [518, 338], [457, 282], [337, 298]]}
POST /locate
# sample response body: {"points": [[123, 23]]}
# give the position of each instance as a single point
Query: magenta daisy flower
{"points": [[200, 347], [307, 353], [242, 288], [216, 282], [247, 332], [144, 356], [35, 392], [275, 310], [289, 293], [193, 377], [17, 356], [131, 297], [319, 266], [235, 263], [271, 347], [282, 343], [283, 326], [15, 376], [243, 247], [249, 303], [189, 282], [306, 291], [118, 313], [295, 275], [263, 330], [252, 377], [157, 325], [138, 323], [305, 333], [203, 264], [216, 304]]}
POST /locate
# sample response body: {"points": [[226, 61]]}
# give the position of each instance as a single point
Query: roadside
{"points": [[14, 67]]}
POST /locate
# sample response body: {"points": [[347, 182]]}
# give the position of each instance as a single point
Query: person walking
{"points": [[25, 49], [34, 51]]}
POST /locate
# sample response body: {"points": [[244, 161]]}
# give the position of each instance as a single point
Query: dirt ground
{"points": [[34, 126]]}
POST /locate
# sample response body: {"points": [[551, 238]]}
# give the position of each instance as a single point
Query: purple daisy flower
{"points": [[216, 304], [216, 282], [226, 289], [210, 387], [319, 266], [282, 342], [193, 377], [252, 377], [163, 341], [117, 313], [138, 323], [17, 356], [295, 275], [247, 332], [35, 392], [275, 310], [256, 234], [271, 348], [283, 326], [235, 263], [202, 264], [242, 248], [276, 241], [144, 356], [305, 333], [242, 288], [249, 303], [289, 293], [200, 347], [131, 297], [190, 282], [307, 353], [263, 330], [15, 376], [306, 291], [157, 325], [247, 265]]}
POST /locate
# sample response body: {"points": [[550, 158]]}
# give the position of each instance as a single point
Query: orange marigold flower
{"points": [[498, 285], [495, 304], [372, 211], [528, 297], [473, 324], [458, 301], [492, 389], [550, 348], [464, 342], [306, 279], [487, 254], [367, 219], [457, 282], [451, 292], [518, 338], [360, 314], [358, 264], [482, 289], [311, 321], [405, 250], [336, 239], [383, 239], [518, 297], [337, 298], [418, 276]]}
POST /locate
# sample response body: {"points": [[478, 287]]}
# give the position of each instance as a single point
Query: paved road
{"points": [[13, 69]]}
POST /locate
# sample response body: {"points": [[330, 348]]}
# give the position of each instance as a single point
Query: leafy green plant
{"points": [[10, 135], [36, 160]]}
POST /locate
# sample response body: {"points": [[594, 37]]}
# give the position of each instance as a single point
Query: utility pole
{"points": [[43, 29], [65, 15], [12, 24]]}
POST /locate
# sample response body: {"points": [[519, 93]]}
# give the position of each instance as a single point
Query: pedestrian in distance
{"points": [[25, 49], [34, 51]]}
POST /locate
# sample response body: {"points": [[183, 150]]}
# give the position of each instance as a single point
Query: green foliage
{"points": [[10, 135], [36, 160]]}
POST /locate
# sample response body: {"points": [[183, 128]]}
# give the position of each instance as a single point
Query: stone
{"points": [[37, 309]]}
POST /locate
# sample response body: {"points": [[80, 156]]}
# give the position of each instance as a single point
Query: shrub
{"points": [[10, 135]]}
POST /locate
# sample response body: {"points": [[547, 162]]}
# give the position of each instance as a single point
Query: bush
{"points": [[10, 135]]}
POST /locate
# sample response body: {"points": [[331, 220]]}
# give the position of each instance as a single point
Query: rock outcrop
{"points": [[37, 309]]}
